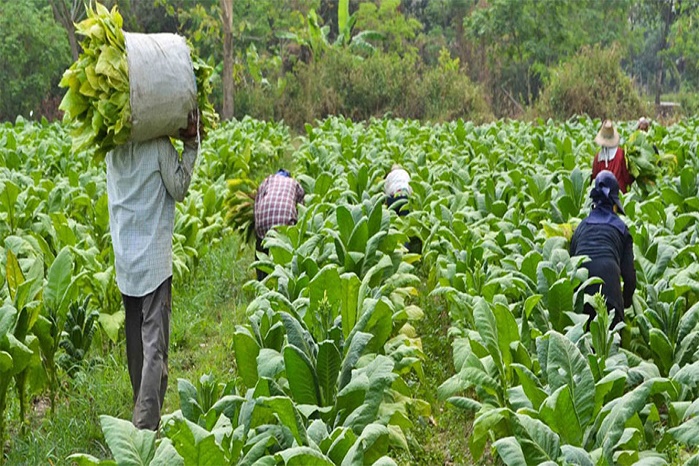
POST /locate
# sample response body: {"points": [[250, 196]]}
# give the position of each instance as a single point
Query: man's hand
{"points": [[193, 122]]}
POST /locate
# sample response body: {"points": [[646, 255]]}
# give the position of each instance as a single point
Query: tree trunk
{"points": [[227, 111], [64, 16], [667, 18]]}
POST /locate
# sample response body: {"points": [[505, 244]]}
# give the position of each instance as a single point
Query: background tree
{"points": [[524, 38], [683, 44], [227, 78], [655, 19], [67, 13], [34, 52]]}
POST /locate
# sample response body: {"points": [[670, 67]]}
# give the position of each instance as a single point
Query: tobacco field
{"points": [[328, 365]]}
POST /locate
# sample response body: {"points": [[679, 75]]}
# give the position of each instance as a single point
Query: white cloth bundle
{"points": [[162, 86]]}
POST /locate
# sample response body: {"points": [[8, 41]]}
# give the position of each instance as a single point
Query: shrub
{"points": [[341, 83], [447, 93], [591, 83]]}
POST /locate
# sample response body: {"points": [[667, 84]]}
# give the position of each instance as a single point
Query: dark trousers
{"points": [[414, 244], [147, 339], [258, 247], [607, 270], [401, 208]]}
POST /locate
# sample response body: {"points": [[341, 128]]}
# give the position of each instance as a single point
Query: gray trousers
{"points": [[147, 339]]}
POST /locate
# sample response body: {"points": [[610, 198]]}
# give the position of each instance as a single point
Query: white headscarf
{"points": [[606, 155]]}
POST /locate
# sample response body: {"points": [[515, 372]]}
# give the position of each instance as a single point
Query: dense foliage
{"points": [[508, 51], [592, 83], [328, 361]]}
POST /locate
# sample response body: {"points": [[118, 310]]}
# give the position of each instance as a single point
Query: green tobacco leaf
{"points": [[370, 446], [464, 403], [193, 443], [5, 362], [188, 400], [326, 285], [283, 409], [166, 455], [58, 279], [21, 354], [295, 333], [345, 223], [246, 352], [13, 274], [483, 426], [269, 363], [359, 236], [539, 443], [8, 313], [531, 385], [510, 451], [686, 433], [354, 350], [342, 15], [662, 348], [508, 331], [567, 426], [302, 378], [565, 365], [688, 375], [576, 455], [128, 444], [112, 324], [380, 377], [302, 456], [612, 426], [328, 363], [486, 326]]}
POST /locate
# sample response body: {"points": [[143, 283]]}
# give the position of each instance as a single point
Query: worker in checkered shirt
{"points": [[275, 204]]}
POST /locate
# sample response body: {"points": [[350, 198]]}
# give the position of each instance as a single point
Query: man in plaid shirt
{"points": [[275, 204]]}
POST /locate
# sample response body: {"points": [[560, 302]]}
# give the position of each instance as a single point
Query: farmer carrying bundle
{"points": [[645, 162], [131, 87]]}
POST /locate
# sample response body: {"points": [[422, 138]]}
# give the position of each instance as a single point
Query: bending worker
{"points": [[605, 239]]}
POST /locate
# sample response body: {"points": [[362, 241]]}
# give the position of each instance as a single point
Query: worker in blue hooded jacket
{"points": [[604, 238]]}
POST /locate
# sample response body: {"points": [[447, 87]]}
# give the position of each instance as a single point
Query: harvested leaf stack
{"points": [[643, 160], [240, 206], [131, 86]]}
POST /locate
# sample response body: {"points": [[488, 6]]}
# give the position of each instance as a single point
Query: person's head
{"points": [[283, 172], [643, 124], [606, 192], [607, 135]]}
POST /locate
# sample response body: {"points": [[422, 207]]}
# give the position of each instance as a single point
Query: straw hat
{"points": [[608, 135]]}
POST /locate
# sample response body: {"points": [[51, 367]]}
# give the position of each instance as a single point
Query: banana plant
{"points": [[77, 336]]}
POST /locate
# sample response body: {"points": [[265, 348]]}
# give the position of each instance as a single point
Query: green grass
{"points": [[443, 438], [204, 314]]}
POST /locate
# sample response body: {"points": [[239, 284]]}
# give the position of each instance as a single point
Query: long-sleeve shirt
{"points": [[275, 203], [615, 163], [611, 258], [144, 179]]}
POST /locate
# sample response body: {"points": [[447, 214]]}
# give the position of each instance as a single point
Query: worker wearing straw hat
{"points": [[611, 156]]}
